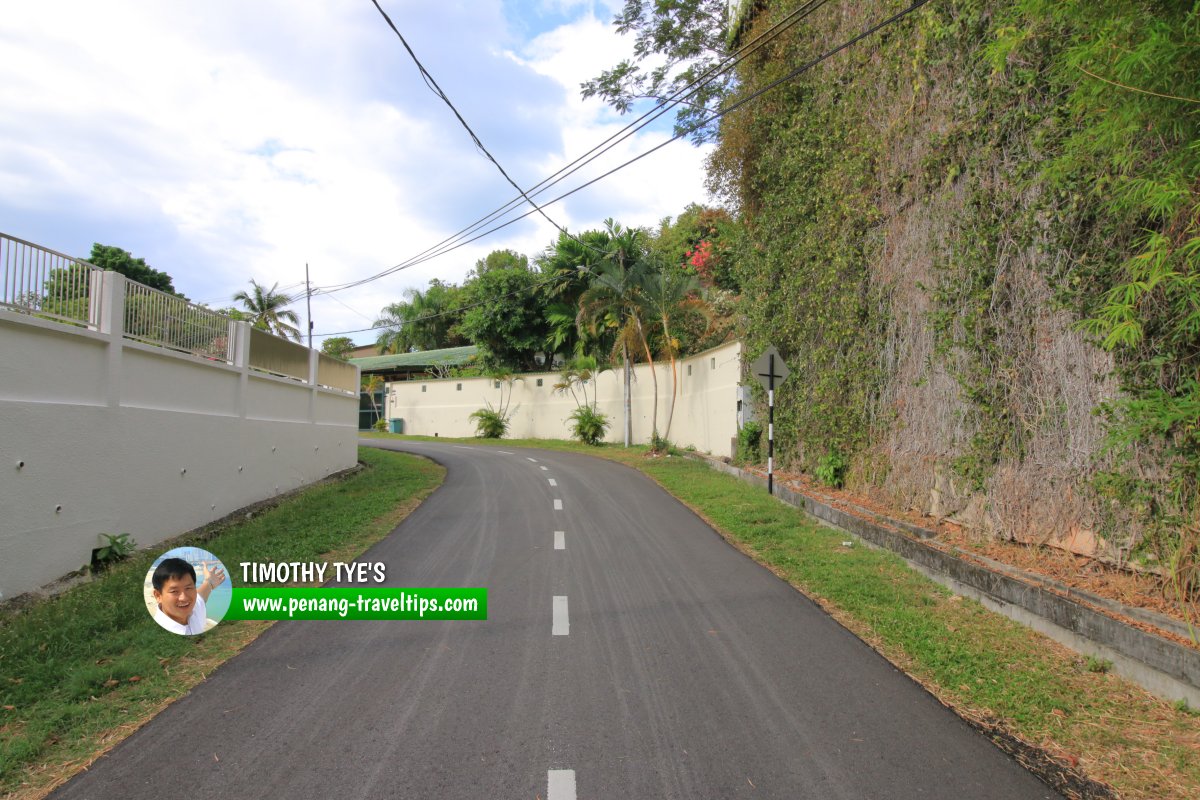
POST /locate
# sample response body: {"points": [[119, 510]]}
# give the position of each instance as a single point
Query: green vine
{"points": [[1061, 137]]}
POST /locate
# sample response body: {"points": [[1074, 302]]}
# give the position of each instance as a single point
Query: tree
{"points": [[665, 294], [576, 373], [612, 302], [371, 384], [266, 311], [699, 243], [425, 321], [491, 422], [685, 39], [505, 317], [234, 313], [501, 259], [65, 291], [564, 282], [337, 346], [136, 269]]}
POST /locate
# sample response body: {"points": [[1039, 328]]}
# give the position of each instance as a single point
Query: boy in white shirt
{"points": [[181, 604]]}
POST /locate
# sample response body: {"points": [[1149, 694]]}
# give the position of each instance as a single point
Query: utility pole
{"points": [[308, 300]]}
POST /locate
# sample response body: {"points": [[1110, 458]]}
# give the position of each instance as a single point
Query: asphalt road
{"points": [[680, 669]]}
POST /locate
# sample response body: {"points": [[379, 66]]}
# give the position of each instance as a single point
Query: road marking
{"points": [[553, 482], [506, 452], [462, 447], [560, 626], [560, 540], [560, 784], [534, 460], [545, 468], [557, 504]]}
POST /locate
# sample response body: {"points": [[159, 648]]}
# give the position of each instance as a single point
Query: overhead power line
{"points": [[433, 86], [551, 279], [715, 116], [456, 240]]}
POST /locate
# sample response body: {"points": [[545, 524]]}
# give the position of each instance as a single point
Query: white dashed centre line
{"points": [[534, 460], [545, 468], [557, 504], [506, 452], [561, 626], [560, 784], [553, 482], [462, 447], [560, 540]]}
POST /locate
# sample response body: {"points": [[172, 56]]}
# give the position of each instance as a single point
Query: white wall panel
{"points": [[705, 406], [168, 452]]}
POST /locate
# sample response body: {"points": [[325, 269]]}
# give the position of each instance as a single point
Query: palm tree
{"points": [[666, 294], [566, 282], [371, 384], [395, 319], [265, 308], [612, 301], [422, 322], [577, 372]]}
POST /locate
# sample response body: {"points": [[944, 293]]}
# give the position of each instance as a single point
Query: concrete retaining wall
{"points": [[1160, 665], [100, 434]]}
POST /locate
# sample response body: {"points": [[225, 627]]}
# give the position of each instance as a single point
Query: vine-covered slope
{"points": [[974, 236]]}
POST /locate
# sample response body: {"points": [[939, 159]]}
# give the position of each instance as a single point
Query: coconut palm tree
{"points": [[265, 308]]}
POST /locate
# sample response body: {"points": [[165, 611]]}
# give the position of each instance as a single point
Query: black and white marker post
{"points": [[771, 426], [769, 368]]}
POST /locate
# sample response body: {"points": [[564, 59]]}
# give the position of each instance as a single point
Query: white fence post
{"points": [[241, 360], [108, 309], [313, 365], [110, 314]]}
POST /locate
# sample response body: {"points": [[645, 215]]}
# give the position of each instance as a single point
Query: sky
{"points": [[224, 141]]}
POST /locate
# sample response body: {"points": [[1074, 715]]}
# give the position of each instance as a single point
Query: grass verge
{"points": [[81, 671], [1006, 679]]}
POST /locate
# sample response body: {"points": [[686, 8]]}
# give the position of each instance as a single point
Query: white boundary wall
{"points": [[705, 407], [116, 437]]}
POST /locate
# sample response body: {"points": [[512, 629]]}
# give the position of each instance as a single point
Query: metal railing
{"points": [[163, 319], [43, 282]]}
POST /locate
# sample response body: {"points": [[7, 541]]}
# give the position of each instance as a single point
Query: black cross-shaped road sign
{"points": [[770, 364]]}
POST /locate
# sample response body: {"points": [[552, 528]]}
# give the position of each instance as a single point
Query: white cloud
{"points": [[226, 140]]}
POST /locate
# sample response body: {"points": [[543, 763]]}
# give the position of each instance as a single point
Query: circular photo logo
{"points": [[187, 590]]}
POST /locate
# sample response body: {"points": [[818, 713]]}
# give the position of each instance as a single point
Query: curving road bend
{"points": [[629, 653]]}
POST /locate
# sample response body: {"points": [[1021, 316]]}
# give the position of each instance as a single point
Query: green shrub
{"points": [[749, 443], [489, 423], [659, 444], [116, 548], [381, 425], [831, 470], [588, 425]]}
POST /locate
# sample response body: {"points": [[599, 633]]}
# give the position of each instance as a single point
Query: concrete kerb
{"points": [[1161, 666]]}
